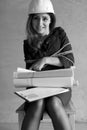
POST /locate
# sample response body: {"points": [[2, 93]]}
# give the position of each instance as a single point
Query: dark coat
{"points": [[55, 44]]}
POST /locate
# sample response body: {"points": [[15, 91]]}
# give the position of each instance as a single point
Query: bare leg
{"points": [[57, 113], [33, 116]]}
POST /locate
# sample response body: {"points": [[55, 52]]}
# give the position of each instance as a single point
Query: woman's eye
{"points": [[36, 18], [45, 19]]}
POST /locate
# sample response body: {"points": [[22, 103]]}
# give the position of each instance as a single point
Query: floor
{"points": [[14, 126]]}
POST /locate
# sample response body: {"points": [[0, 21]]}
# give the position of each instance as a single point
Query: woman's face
{"points": [[41, 23]]}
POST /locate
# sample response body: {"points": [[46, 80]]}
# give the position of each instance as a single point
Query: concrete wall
{"points": [[72, 16]]}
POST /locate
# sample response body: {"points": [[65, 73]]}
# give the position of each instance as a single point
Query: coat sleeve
{"points": [[27, 54], [65, 53]]}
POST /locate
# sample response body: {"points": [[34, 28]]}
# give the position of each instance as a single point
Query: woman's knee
{"points": [[53, 103], [37, 105]]}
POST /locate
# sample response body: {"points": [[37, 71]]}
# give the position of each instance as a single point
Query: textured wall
{"points": [[72, 16]]}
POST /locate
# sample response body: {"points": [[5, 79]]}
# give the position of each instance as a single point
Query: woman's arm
{"points": [[53, 61], [40, 64], [62, 57], [27, 55], [65, 54]]}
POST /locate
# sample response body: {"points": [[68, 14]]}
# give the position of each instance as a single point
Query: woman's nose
{"points": [[40, 22]]}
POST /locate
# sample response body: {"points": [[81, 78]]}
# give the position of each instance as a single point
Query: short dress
{"points": [[55, 44]]}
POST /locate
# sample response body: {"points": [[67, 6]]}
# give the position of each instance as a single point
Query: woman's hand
{"points": [[39, 64]]}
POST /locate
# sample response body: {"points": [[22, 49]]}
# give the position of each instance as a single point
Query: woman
{"points": [[47, 47]]}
